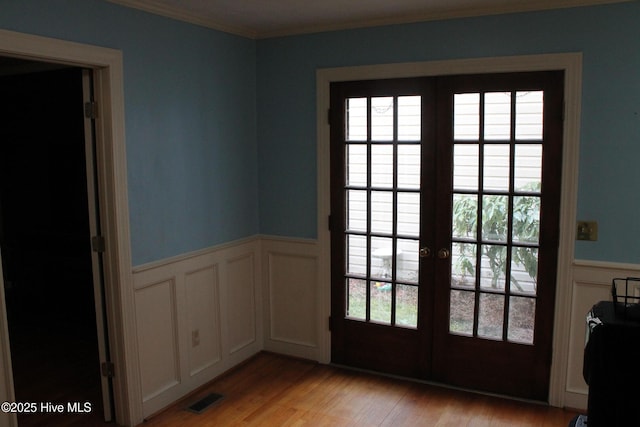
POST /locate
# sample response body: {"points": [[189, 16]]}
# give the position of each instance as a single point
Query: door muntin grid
{"points": [[382, 200], [496, 197]]}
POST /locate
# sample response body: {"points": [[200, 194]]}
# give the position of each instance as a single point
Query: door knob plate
{"points": [[444, 253], [425, 252]]}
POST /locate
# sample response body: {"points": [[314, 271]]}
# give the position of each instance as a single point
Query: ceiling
{"points": [[272, 18]]}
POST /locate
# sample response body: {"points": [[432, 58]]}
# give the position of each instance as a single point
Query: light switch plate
{"points": [[587, 230]]}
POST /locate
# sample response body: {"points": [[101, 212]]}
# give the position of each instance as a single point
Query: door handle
{"points": [[425, 252], [444, 253]]}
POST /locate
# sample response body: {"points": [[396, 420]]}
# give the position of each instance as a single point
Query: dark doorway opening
{"points": [[45, 242]]}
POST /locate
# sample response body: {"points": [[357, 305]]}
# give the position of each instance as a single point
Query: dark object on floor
{"points": [[626, 302], [578, 421], [612, 350], [205, 403]]}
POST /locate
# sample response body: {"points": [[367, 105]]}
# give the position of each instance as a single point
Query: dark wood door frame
{"points": [[550, 238]]}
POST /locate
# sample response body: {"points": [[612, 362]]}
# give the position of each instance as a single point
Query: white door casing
{"points": [[6, 379], [95, 233], [111, 160], [571, 63]]}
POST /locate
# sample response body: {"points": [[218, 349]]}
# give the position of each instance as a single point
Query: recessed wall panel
{"points": [[293, 299], [203, 318], [241, 294], [157, 338]]}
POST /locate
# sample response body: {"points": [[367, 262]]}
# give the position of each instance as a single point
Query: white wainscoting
{"points": [[266, 293], [197, 316], [292, 297], [591, 283]]}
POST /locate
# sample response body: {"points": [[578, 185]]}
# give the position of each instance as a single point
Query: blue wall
{"points": [[221, 136], [190, 120], [608, 37]]}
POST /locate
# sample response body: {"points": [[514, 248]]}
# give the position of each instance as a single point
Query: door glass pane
{"points": [[490, 316], [407, 306], [408, 260], [528, 167], [461, 309], [409, 214], [356, 210], [463, 264], [381, 302], [409, 166], [495, 218], [382, 186], [465, 166], [496, 167], [382, 212], [526, 219], [529, 109], [356, 299], [503, 194], [356, 119], [382, 165], [466, 116], [382, 118], [381, 257], [357, 165], [357, 255], [409, 118], [524, 270], [493, 267], [522, 313], [497, 116], [465, 216]]}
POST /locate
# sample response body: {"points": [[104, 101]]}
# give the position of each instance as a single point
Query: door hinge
{"points": [[97, 243], [108, 369], [90, 110]]}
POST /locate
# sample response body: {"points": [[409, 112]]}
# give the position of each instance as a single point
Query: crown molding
{"points": [[181, 14], [217, 22]]}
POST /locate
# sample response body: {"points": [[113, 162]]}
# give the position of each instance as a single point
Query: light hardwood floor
{"points": [[273, 390]]}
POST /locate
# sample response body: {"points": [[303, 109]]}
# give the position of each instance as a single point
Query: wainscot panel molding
{"points": [[591, 283], [201, 314], [197, 316], [292, 307]]}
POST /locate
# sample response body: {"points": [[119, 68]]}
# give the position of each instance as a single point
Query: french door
{"points": [[444, 224]]}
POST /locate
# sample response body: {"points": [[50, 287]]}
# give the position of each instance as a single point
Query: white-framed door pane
{"points": [[356, 119], [465, 166], [382, 115], [357, 167], [490, 316], [408, 260], [528, 167], [409, 118], [409, 166], [529, 115], [466, 116], [382, 165], [356, 255], [356, 298], [382, 212], [357, 210], [380, 302], [522, 313], [407, 306], [497, 116], [496, 170], [461, 311], [408, 221]]}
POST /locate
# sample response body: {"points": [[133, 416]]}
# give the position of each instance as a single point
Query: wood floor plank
{"points": [[274, 390]]}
